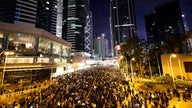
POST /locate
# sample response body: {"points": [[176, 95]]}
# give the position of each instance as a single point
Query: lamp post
{"points": [[6, 53], [180, 68], [126, 62], [171, 67], [132, 76]]}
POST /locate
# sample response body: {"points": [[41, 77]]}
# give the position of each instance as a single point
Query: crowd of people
{"points": [[93, 88], [98, 87], [11, 88]]}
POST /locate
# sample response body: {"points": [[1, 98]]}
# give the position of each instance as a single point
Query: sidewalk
{"points": [[172, 102]]}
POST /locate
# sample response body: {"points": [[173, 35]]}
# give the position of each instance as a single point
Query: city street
{"points": [[90, 86], [95, 54]]}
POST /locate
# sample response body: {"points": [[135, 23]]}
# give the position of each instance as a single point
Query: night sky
{"points": [[101, 13]]}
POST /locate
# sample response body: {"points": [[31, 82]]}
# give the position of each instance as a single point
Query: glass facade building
{"points": [[36, 53], [122, 21], [29, 32], [76, 24], [164, 22], [46, 15], [35, 13]]}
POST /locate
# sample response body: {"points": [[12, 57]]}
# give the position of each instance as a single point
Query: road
{"points": [[180, 104], [95, 78]]}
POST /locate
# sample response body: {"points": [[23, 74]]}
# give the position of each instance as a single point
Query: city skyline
{"points": [[101, 13]]}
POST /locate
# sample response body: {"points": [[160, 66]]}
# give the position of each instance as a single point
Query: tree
{"points": [[133, 48], [154, 50]]}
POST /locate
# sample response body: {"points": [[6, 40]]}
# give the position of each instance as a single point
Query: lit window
{"points": [[76, 32], [72, 5], [29, 45], [72, 18], [47, 8]]}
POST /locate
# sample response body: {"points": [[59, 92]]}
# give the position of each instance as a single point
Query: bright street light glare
{"points": [[133, 59], [173, 55]]}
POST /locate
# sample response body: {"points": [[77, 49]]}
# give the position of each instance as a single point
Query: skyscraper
{"points": [[186, 10], [76, 20], [89, 34], [16, 11], [36, 13], [122, 21], [101, 47], [47, 15], [166, 21], [151, 28], [7, 10], [59, 18]]}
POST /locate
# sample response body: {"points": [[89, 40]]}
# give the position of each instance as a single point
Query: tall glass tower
{"points": [[35, 13], [47, 15], [76, 23], [168, 20], [122, 21]]}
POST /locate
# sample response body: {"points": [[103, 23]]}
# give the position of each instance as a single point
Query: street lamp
{"points": [[132, 76], [6, 53], [180, 68], [171, 67], [125, 61]]}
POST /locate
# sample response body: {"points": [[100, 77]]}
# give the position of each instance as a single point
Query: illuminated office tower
{"points": [[101, 47], [18, 11], [59, 18], [167, 20], [47, 15], [186, 10], [89, 34], [122, 21], [35, 13], [76, 18]]}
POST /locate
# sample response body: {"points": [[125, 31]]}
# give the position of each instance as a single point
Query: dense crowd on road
{"points": [[98, 87], [11, 88]]}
